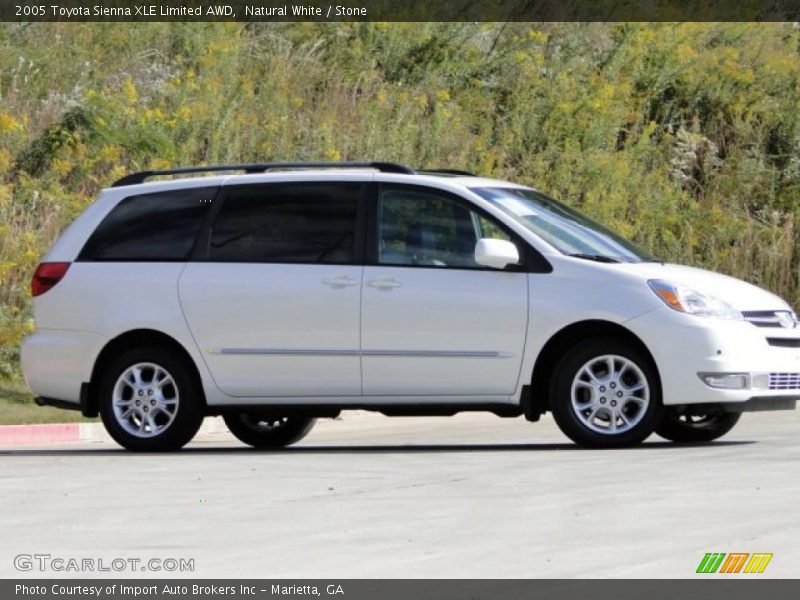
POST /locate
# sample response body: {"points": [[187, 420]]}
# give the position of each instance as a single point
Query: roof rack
{"points": [[142, 176], [447, 172]]}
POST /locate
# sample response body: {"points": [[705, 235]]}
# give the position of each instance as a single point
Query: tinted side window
{"points": [[152, 227], [287, 223]]}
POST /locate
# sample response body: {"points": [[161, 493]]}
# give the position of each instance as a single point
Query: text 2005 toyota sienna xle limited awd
{"points": [[293, 291]]}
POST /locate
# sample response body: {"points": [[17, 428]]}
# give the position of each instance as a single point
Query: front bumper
{"points": [[685, 347], [756, 404]]}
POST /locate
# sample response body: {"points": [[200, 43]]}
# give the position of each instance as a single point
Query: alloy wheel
{"points": [[610, 394], [145, 400]]}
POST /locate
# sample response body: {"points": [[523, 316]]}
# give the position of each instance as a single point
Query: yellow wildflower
{"points": [[7, 122], [129, 91]]}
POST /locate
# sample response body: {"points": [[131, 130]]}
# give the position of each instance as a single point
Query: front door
{"points": [[274, 307], [434, 322]]}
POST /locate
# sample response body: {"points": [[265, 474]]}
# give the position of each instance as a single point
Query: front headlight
{"points": [[684, 299]]}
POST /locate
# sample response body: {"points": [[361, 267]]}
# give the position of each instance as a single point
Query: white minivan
{"points": [[274, 294]]}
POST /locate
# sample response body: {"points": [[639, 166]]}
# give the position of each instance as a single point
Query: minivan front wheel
{"points": [[605, 394], [265, 430], [149, 401]]}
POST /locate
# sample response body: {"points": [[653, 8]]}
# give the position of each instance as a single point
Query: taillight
{"points": [[46, 276]]}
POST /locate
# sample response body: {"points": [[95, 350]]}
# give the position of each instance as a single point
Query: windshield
{"points": [[564, 228]]}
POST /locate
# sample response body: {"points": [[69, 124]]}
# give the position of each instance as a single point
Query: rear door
{"points": [[274, 304], [435, 323]]}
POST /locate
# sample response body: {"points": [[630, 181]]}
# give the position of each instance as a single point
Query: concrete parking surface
{"points": [[369, 496]]}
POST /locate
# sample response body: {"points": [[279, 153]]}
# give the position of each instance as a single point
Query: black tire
{"points": [[264, 430], [189, 411], [678, 426], [637, 419]]}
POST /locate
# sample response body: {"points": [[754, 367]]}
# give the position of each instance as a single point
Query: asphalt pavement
{"points": [[370, 496]]}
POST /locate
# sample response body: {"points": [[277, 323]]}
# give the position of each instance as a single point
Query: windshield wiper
{"points": [[597, 257]]}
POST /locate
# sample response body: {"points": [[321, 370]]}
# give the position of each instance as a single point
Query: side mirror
{"points": [[497, 254]]}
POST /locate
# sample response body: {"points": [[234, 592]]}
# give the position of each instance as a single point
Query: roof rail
{"points": [[142, 176], [447, 172]]}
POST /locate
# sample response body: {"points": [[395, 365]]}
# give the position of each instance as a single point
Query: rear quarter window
{"points": [[308, 223], [161, 226]]}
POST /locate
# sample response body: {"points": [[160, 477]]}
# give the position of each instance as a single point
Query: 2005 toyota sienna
{"points": [[274, 294]]}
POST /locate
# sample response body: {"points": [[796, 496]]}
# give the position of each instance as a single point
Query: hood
{"points": [[739, 294]]}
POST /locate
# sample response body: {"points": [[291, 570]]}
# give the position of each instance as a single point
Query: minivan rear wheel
{"points": [[266, 430], [605, 394], [149, 400], [679, 425]]}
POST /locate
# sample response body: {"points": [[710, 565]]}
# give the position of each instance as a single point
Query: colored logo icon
{"points": [[734, 562]]}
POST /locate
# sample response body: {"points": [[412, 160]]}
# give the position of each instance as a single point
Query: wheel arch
{"points": [[136, 338], [538, 400]]}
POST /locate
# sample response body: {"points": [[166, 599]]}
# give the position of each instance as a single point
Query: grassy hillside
{"points": [[682, 136]]}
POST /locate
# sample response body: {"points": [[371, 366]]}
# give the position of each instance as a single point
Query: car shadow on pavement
{"points": [[211, 448]]}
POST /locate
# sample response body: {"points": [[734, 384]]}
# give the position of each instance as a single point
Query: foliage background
{"points": [[682, 136]]}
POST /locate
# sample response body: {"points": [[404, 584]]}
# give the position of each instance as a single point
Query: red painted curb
{"points": [[18, 435]]}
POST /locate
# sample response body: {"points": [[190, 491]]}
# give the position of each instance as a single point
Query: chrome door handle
{"points": [[339, 281], [384, 284]]}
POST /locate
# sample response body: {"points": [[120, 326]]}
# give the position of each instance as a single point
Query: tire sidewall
{"points": [[561, 393], [673, 429], [188, 418], [295, 429]]}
